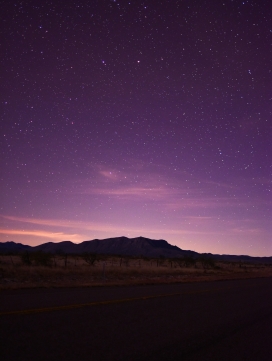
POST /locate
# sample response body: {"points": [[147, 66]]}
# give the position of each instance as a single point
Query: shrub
{"points": [[207, 262], [42, 258], [189, 261], [25, 258], [90, 258]]}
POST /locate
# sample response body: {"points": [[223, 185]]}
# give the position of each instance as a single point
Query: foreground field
{"points": [[76, 271]]}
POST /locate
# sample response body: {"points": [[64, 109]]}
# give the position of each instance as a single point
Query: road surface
{"points": [[228, 320]]}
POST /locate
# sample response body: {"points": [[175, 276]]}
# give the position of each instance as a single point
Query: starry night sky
{"points": [[129, 118]]}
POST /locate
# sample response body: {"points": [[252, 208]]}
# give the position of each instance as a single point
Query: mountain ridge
{"points": [[138, 246]]}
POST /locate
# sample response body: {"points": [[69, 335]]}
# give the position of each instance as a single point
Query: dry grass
{"points": [[117, 271]]}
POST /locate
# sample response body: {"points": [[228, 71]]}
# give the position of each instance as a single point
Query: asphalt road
{"points": [[230, 320]]}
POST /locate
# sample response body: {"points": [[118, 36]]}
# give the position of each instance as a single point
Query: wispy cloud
{"points": [[85, 227], [136, 193], [175, 190], [250, 230], [203, 202], [111, 175], [60, 236], [89, 226]]}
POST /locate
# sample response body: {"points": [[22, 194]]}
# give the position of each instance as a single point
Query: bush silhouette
{"points": [[25, 258], [207, 262], [41, 258], [90, 258]]}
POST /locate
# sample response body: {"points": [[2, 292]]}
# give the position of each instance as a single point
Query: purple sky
{"points": [[129, 118]]}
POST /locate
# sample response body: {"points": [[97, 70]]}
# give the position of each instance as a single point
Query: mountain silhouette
{"points": [[139, 246]]}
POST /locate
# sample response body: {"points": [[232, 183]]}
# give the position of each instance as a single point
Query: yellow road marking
{"points": [[98, 303]]}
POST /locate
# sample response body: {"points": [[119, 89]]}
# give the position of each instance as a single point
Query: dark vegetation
{"points": [[60, 269], [47, 259], [61, 259]]}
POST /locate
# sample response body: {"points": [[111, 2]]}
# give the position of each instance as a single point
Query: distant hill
{"points": [[13, 247], [139, 246], [119, 246], [234, 258]]}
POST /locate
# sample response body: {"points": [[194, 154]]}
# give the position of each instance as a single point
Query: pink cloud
{"points": [[57, 236]]}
